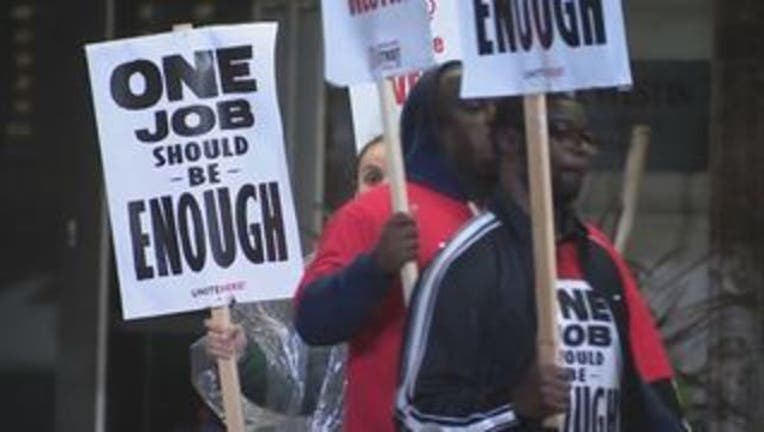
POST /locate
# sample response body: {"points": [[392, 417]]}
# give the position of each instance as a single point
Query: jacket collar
{"points": [[519, 222]]}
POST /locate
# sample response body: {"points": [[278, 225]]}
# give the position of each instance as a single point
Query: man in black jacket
{"points": [[469, 355]]}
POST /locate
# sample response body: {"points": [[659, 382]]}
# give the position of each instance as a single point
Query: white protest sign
{"points": [[515, 47], [364, 98], [193, 156], [366, 108], [365, 41]]}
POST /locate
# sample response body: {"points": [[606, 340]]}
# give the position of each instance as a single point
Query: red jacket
{"points": [[374, 346], [650, 357]]}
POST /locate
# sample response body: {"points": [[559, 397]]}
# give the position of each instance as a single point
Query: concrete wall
{"points": [[669, 29]]}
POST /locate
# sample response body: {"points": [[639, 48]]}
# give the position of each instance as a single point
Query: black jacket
{"points": [[472, 328]]}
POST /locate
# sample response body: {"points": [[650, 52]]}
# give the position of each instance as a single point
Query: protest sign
{"points": [[365, 41], [364, 98], [517, 47], [370, 41], [192, 148]]}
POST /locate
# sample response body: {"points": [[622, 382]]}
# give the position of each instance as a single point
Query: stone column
{"points": [[736, 378]]}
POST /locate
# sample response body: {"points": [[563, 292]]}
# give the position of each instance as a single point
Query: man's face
{"points": [[571, 148], [464, 127]]}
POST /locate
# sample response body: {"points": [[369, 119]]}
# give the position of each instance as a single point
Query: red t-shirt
{"points": [[647, 349], [374, 352]]}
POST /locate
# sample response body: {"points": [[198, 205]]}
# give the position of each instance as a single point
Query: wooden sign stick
{"points": [[635, 168], [227, 369], [542, 217], [229, 379], [396, 173]]}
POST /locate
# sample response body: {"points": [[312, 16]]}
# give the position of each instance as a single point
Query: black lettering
{"points": [[570, 374], [235, 114], [159, 156], [189, 213], [598, 306], [586, 409], [597, 399], [593, 20], [613, 408], [140, 240], [543, 20], [161, 131], [220, 228], [123, 94], [165, 236], [196, 176], [193, 152], [568, 27], [241, 145], [200, 77], [575, 304], [174, 154], [599, 336], [213, 173], [227, 148], [273, 222], [529, 22], [524, 28], [250, 238], [233, 67], [505, 26], [574, 335], [212, 148], [568, 420], [573, 419], [205, 116], [485, 47]]}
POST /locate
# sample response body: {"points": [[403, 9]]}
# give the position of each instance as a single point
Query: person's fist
{"points": [[225, 342], [397, 245], [544, 391]]}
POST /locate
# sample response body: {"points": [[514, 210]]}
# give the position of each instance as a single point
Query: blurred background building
{"points": [[69, 363]]}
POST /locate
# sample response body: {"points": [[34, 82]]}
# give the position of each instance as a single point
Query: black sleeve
{"points": [[333, 308], [445, 378], [667, 393], [663, 406]]}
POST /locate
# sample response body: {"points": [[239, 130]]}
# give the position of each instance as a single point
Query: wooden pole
{"points": [[396, 173], [635, 168], [542, 216], [229, 379], [227, 369]]}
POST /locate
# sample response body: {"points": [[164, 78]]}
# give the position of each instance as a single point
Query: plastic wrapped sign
{"points": [[286, 385]]}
